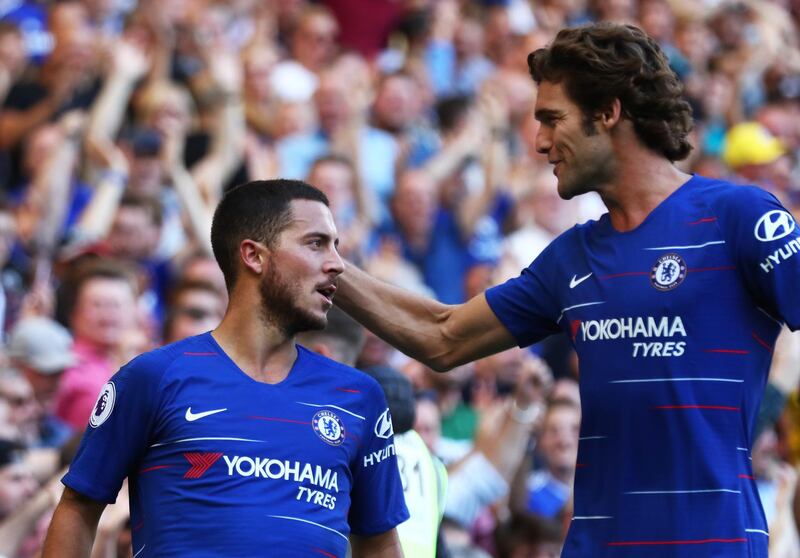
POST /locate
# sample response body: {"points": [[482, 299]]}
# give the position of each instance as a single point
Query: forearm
{"points": [[439, 335], [507, 450], [96, 220], [477, 204], [366, 202], [197, 214], [518, 494], [445, 162], [413, 324], [109, 108], [230, 134], [56, 182], [473, 484]]}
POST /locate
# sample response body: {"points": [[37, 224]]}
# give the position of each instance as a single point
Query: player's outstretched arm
{"points": [[439, 335], [73, 527], [384, 545]]}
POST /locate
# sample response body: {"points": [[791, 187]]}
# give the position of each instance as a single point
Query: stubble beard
{"points": [[280, 309], [594, 169], [589, 176]]}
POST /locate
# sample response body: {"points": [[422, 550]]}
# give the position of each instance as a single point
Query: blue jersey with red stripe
{"points": [[674, 324], [222, 465]]}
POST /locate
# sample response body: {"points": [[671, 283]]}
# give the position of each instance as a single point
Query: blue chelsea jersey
{"points": [[674, 324], [222, 465]]}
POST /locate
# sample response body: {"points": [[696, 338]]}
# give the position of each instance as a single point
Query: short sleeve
{"points": [[378, 502], [765, 242], [526, 305], [118, 432]]}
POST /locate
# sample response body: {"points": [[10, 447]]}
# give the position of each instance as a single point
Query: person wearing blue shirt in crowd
{"points": [[672, 300], [238, 442]]}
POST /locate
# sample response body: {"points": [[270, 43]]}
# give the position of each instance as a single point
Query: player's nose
{"points": [[334, 263], [543, 141]]}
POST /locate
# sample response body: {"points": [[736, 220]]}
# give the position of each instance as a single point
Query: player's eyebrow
{"points": [[548, 115], [322, 236]]}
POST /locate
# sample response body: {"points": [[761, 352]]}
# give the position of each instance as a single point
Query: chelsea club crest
{"points": [[668, 272], [329, 427]]}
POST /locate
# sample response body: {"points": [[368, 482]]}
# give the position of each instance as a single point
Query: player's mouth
{"points": [[555, 166], [327, 291]]}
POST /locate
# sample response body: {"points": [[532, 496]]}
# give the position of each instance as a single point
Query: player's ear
{"points": [[611, 115], [253, 255]]}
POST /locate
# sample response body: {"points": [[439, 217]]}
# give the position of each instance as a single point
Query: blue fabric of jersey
{"points": [[674, 324], [222, 465]]}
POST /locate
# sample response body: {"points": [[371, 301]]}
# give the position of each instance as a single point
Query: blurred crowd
{"points": [[123, 122]]}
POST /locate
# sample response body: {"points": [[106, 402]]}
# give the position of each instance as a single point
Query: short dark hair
{"points": [[600, 62], [333, 158], [188, 285], [561, 403], [452, 111], [149, 204], [259, 210], [87, 269], [175, 293]]}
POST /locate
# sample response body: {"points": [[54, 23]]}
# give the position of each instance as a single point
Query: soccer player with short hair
{"points": [[672, 300], [238, 442]]}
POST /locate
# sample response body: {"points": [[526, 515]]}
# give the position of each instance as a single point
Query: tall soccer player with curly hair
{"points": [[672, 300]]}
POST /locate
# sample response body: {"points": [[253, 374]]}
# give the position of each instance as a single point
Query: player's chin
{"points": [[316, 318], [565, 190]]}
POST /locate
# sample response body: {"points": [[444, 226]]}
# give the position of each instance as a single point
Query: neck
{"points": [[262, 351], [643, 179]]}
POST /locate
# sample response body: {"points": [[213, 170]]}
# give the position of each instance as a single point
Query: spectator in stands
{"points": [[41, 349], [399, 109], [312, 48], [66, 81], [16, 482], [194, 308], [758, 157], [548, 490], [24, 412], [101, 309], [341, 114]]}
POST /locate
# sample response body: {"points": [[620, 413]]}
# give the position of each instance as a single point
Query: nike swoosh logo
{"points": [[191, 417], [574, 282]]}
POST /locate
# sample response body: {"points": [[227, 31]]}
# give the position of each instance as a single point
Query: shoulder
{"points": [[349, 378], [746, 211], [154, 365], [724, 196]]}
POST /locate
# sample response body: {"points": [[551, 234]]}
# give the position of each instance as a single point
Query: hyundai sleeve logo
{"points": [[383, 426], [773, 225]]}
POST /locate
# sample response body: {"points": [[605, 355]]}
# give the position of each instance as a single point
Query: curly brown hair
{"points": [[601, 62]]}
